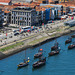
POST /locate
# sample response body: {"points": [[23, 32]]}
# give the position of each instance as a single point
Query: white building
{"points": [[5, 2], [23, 16]]}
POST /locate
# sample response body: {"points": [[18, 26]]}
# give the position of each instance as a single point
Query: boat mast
{"points": [[39, 46], [25, 56], [55, 41]]}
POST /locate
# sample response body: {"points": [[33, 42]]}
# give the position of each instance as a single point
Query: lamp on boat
{"points": [[41, 49]]}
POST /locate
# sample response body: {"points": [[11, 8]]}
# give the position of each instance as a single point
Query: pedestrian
{"points": [[5, 42], [50, 27], [27, 34], [37, 30], [1, 40]]}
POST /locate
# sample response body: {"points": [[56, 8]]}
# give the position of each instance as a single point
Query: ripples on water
{"points": [[62, 64]]}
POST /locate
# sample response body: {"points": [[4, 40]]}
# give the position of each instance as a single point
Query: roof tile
{"points": [[5, 1]]}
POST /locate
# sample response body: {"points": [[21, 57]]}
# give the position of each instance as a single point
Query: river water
{"points": [[62, 64]]}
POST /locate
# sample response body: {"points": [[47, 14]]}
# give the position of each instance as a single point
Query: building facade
{"points": [[43, 16], [23, 16], [1, 18], [66, 10], [7, 17]]}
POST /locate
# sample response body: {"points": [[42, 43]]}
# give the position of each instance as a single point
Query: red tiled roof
{"points": [[7, 8], [66, 4], [6, 11], [5, 1], [64, 11], [50, 0]]}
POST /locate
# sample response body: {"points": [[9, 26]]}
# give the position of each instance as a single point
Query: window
{"points": [[20, 23], [12, 12], [12, 17], [25, 13], [21, 18], [29, 13], [33, 19], [16, 22], [25, 23], [25, 18], [18, 13], [12, 21], [22, 13], [15, 13], [16, 17], [5, 14], [29, 23], [29, 18]]}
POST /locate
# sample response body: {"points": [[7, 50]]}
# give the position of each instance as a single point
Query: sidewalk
{"points": [[54, 25]]}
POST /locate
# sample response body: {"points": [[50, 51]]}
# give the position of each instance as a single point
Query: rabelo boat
{"points": [[41, 62]]}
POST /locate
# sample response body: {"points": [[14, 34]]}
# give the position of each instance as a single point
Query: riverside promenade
{"points": [[52, 31]]}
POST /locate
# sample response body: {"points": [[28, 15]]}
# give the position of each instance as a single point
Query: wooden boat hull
{"points": [[38, 65], [71, 46], [73, 36], [54, 47], [68, 41], [53, 53], [20, 66], [37, 55]]}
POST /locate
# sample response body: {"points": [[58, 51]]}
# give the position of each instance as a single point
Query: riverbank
{"points": [[33, 41]]}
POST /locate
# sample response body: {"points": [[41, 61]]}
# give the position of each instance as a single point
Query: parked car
{"points": [[10, 36], [50, 21], [16, 34]]}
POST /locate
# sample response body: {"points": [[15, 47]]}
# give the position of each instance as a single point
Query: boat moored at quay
{"points": [[69, 40], [39, 54], [71, 46], [55, 47], [39, 63], [23, 64], [73, 36], [53, 53]]}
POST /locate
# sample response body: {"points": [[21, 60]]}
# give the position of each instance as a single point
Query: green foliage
{"points": [[37, 40], [11, 46]]}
